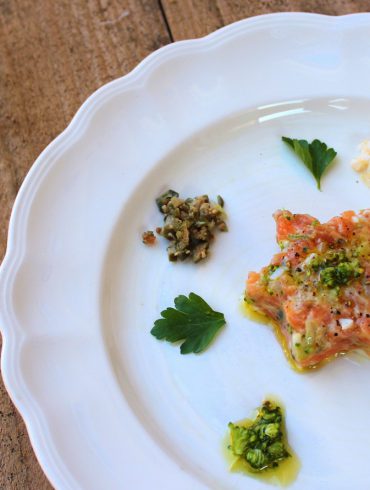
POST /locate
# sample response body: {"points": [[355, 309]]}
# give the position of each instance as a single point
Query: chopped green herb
{"points": [[270, 270], [261, 443], [335, 268], [341, 274], [298, 236], [192, 320], [316, 155]]}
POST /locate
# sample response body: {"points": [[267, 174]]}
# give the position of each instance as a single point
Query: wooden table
{"points": [[53, 54]]}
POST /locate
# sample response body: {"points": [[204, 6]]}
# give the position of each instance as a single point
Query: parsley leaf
{"points": [[192, 320], [316, 155]]}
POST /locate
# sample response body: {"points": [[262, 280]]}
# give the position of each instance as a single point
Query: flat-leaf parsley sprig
{"points": [[316, 155], [192, 320]]}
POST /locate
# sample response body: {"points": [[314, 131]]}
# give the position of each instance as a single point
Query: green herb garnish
{"points": [[336, 268], [340, 275], [192, 320], [260, 444], [316, 155], [298, 236]]}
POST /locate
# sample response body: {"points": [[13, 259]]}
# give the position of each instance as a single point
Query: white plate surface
{"points": [[107, 405]]}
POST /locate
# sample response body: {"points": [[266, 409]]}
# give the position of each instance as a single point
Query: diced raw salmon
{"points": [[317, 289]]}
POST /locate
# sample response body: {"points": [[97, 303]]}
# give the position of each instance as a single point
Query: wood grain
{"points": [[193, 18], [53, 54]]}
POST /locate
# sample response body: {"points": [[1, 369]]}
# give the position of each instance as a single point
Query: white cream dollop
{"points": [[361, 163]]}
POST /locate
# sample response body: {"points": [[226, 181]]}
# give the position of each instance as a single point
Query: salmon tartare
{"points": [[316, 291]]}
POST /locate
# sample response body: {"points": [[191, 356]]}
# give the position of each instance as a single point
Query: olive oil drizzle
{"points": [[259, 317]]}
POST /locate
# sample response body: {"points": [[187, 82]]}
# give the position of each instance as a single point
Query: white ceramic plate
{"points": [[107, 405]]}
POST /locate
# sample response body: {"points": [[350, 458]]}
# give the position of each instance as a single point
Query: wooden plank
{"points": [[53, 55], [194, 18]]}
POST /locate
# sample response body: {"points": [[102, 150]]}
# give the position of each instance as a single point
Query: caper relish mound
{"points": [[189, 224], [317, 289]]}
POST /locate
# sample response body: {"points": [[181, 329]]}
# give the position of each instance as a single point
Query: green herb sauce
{"points": [[259, 447]]}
